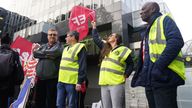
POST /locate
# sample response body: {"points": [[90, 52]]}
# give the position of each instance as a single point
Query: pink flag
{"points": [[79, 20]]}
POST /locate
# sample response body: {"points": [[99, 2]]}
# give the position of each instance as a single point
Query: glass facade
{"points": [[44, 10]]}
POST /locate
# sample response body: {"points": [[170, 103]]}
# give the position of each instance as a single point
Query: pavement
{"points": [[135, 97]]}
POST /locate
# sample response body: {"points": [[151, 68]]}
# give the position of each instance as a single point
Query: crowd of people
{"points": [[62, 72]]}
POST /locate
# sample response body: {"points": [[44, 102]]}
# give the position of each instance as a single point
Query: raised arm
{"points": [[96, 37]]}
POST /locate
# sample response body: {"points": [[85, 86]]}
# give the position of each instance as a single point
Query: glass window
{"points": [[46, 5], [45, 18], [51, 15], [58, 2], [33, 13], [41, 6], [36, 27], [62, 17], [57, 13], [23, 33], [40, 19], [96, 4], [87, 3], [107, 2], [63, 10], [79, 2], [116, 0], [29, 30], [101, 2], [36, 10], [71, 4], [32, 29], [52, 3], [63, 7]]}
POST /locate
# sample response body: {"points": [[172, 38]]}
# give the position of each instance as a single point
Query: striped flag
{"points": [[23, 95]]}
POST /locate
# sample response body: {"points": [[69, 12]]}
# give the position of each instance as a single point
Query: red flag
{"points": [[79, 20], [23, 47]]}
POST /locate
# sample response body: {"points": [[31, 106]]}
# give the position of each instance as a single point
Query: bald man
{"points": [[160, 68]]}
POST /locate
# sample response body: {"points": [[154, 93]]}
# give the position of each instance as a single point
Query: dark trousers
{"points": [[8, 96], [4, 100], [81, 98], [162, 97], [46, 93]]}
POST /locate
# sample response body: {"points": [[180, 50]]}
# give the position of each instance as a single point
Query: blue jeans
{"points": [[66, 91]]}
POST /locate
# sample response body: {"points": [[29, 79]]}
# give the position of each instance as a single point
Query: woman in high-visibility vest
{"points": [[116, 66]]}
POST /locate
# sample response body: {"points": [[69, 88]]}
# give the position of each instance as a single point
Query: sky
{"points": [[180, 11], [7, 4]]}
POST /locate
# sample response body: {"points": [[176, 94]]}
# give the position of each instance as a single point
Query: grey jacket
{"points": [[49, 60]]}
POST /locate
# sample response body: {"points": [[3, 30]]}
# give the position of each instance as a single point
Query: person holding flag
{"points": [[116, 66], [72, 72], [78, 21]]}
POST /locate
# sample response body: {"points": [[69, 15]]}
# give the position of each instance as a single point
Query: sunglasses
{"points": [[52, 34]]}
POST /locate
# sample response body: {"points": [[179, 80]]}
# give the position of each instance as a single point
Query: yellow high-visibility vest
{"points": [[157, 44], [68, 72], [113, 67]]}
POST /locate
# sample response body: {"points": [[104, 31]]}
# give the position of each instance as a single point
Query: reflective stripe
{"points": [[114, 61], [159, 42], [120, 57], [112, 70], [74, 51], [69, 59], [158, 39], [123, 53], [72, 59], [68, 68], [158, 55]]}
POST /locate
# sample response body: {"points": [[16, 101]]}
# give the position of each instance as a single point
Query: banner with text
{"points": [[79, 20]]}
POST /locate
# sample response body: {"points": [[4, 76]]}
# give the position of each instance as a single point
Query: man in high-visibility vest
{"points": [[72, 72], [160, 68]]}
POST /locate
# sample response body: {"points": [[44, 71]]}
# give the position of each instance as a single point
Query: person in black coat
{"points": [[11, 81]]}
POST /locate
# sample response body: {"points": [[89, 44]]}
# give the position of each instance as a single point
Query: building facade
{"points": [[11, 22], [3, 14]]}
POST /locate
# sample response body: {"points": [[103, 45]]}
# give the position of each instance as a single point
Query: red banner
{"points": [[23, 47], [79, 20]]}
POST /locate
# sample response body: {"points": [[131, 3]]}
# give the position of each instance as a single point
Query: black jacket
{"points": [[49, 60], [17, 76]]}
